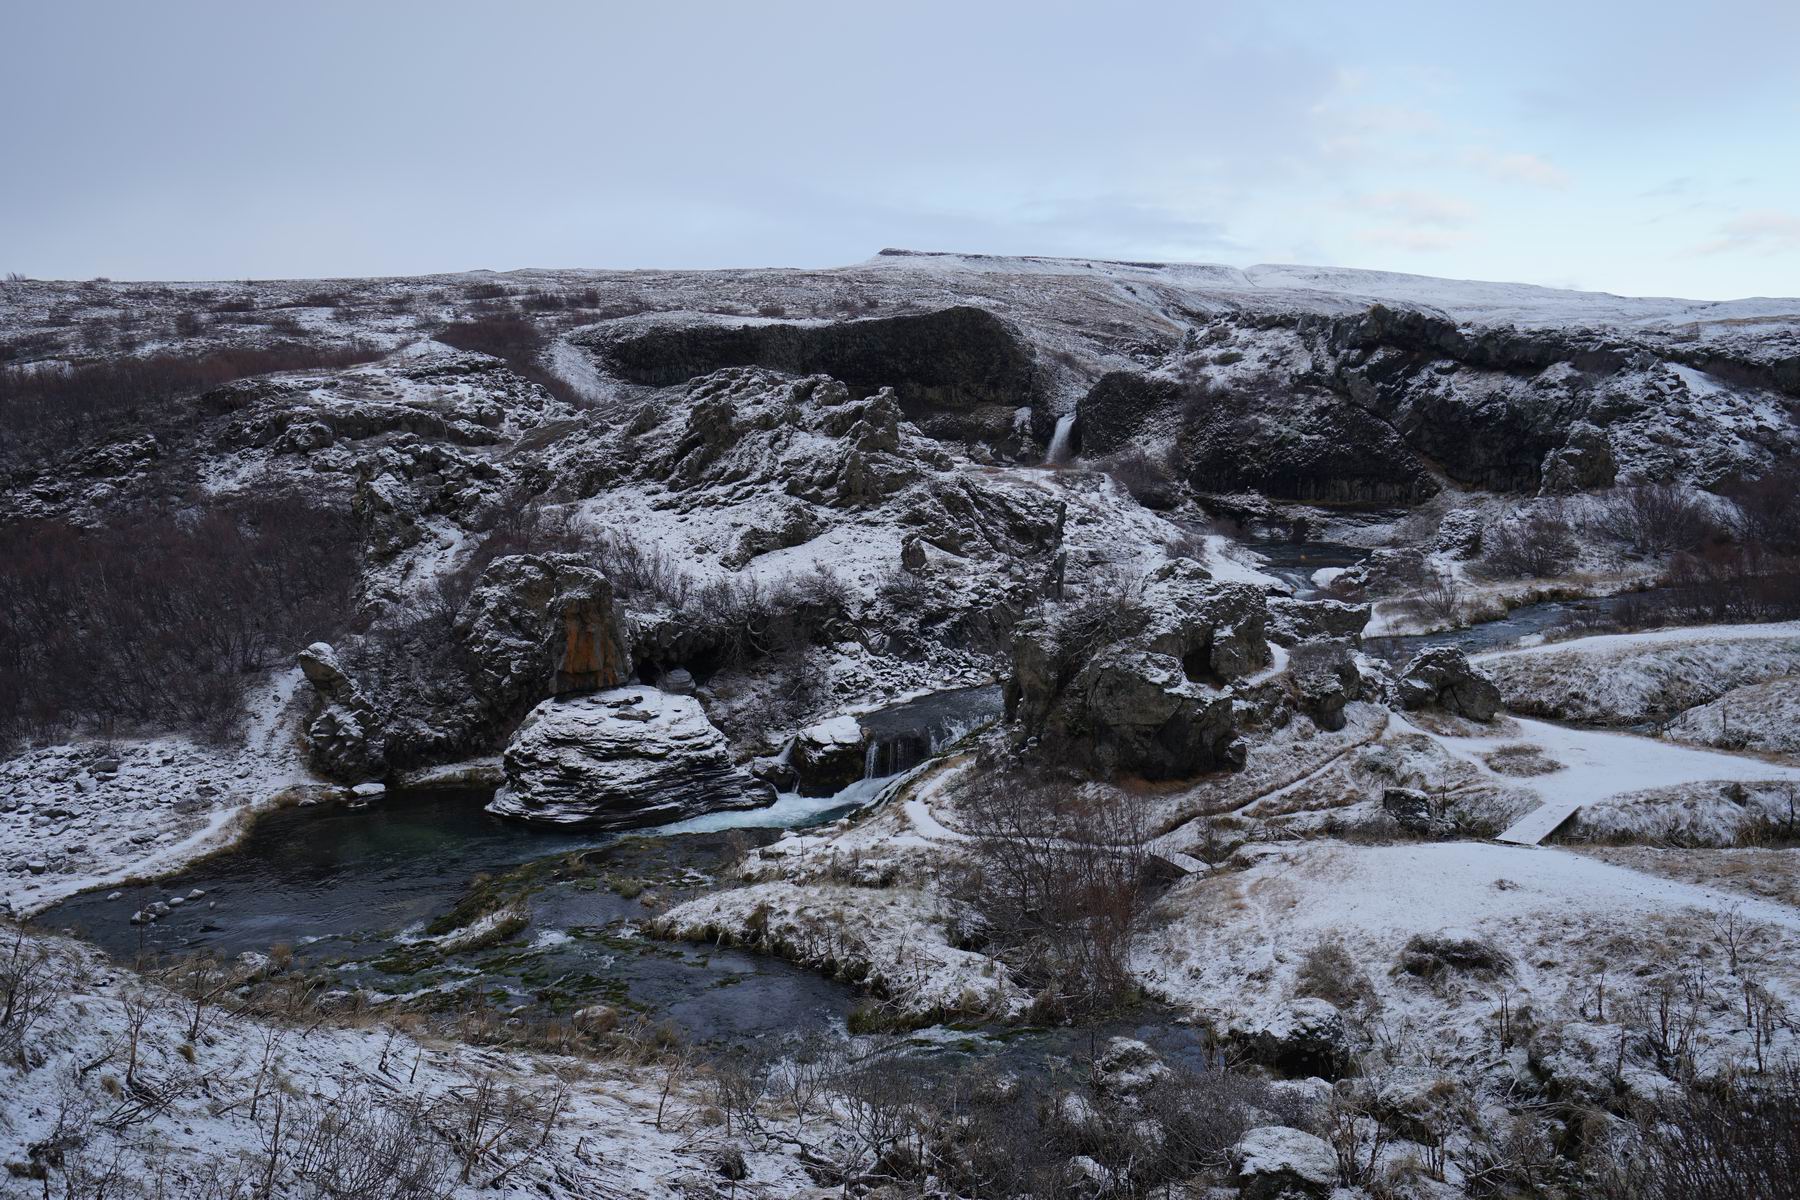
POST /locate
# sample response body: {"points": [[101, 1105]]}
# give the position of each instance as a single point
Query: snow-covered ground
{"points": [[117, 1089], [1626, 679], [1234, 943], [85, 814]]}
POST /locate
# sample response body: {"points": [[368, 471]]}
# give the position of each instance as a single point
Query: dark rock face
{"points": [[622, 758], [540, 625], [344, 738], [1121, 409], [829, 757], [532, 626], [1295, 441], [1477, 404], [1444, 677], [1324, 679], [960, 373], [1148, 700], [1306, 1037]]}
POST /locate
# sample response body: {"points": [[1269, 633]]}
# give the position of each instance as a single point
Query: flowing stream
{"points": [[354, 890]]}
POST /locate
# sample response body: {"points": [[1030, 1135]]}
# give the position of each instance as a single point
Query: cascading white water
{"points": [[871, 759], [1060, 441]]}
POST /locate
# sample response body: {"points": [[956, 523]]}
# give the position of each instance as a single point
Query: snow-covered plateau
{"points": [[948, 726]]}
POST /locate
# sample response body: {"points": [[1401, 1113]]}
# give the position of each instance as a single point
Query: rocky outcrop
{"points": [[1122, 410], [828, 757], [1146, 693], [1324, 679], [1296, 441], [1444, 678], [959, 373], [538, 625], [1292, 622], [1414, 812], [344, 736], [618, 759]]}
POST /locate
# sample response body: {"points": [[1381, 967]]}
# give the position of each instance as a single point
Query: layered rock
{"points": [[1443, 677], [959, 373], [344, 738], [621, 758], [1145, 694]]}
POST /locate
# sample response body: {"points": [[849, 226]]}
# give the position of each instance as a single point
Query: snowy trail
{"points": [[1598, 764]]}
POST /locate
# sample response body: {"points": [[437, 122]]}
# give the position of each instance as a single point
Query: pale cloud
{"points": [[1533, 169], [1417, 241], [1766, 231], [1419, 208]]}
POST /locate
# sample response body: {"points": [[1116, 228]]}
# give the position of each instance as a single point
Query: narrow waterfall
{"points": [[1061, 440], [872, 759]]}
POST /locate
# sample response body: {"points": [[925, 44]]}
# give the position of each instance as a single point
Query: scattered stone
{"points": [[1274, 1162], [1306, 1036]]}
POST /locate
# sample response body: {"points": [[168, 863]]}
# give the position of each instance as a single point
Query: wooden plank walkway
{"points": [[1538, 824]]}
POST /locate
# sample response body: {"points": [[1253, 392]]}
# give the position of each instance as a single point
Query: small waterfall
{"points": [[1060, 441], [871, 759]]}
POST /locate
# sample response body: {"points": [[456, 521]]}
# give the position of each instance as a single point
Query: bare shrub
{"points": [[1056, 887], [1656, 519], [516, 341], [31, 980], [1330, 972], [159, 618], [1151, 481], [40, 407], [1530, 547], [1442, 599], [355, 1148], [1721, 1139]]}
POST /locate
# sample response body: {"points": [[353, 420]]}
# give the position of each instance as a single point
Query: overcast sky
{"points": [[1645, 147]]}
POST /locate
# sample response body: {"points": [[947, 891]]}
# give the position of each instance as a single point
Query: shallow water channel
{"points": [[353, 890]]}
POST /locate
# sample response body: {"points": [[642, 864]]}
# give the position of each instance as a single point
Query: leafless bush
{"points": [[516, 341], [1769, 507], [1656, 519], [31, 981], [38, 408], [1330, 972], [157, 619], [1724, 1139], [1532, 546], [1056, 887], [1442, 598], [355, 1148], [1151, 481]]}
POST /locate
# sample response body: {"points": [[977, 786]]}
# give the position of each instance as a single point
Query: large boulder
{"points": [[1444, 677], [621, 758], [1293, 621], [1306, 1036], [344, 739], [1324, 679], [1275, 1162], [1140, 688], [1218, 631], [829, 757]]}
